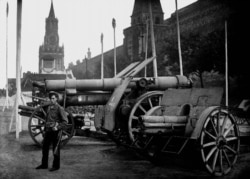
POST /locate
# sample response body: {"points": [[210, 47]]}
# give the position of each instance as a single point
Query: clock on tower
{"points": [[52, 40]]}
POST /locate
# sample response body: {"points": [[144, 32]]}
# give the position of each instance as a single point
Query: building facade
{"points": [[200, 18]]}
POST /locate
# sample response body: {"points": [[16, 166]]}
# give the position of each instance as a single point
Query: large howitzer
{"points": [[119, 86], [114, 99]]}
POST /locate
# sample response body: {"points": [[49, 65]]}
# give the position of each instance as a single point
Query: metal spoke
{"points": [[160, 98], [211, 152], [228, 130], [37, 133], [214, 127], [208, 133], [221, 162], [232, 150], [231, 139], [218, 122], [224, 123], [227, 159], [150, 102], [209, 144], [44, 113], [215, 159], [140, 106], [135, 117]]}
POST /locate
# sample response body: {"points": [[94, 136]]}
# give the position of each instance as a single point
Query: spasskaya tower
{"points": [[51, 55]]}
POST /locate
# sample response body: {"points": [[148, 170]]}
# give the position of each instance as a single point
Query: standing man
{"points": [[56, 119]]}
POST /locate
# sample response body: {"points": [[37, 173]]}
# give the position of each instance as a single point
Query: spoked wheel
{"points": [[36, 127], [219, 141], [141, 107]]}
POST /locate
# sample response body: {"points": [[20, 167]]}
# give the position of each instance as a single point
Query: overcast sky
{"points": [[80, 24]]}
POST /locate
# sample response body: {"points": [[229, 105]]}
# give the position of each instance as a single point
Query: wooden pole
{"points": [[146, 47], [178, 36], [114, 25], [102, 63], [153, 41], [226, 64], [7, 85], [18, 62]]}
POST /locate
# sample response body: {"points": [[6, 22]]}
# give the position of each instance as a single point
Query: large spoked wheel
{"points": [[36, 127], [219, 141], [142, 107]]}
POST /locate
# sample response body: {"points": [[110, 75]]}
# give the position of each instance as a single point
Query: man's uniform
{"points": [[55, 116]]}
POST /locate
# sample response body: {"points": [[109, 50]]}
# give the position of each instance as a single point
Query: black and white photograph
{"points": [[120, 89]]}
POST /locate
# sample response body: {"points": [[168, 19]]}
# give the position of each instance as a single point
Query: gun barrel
{"points": [[109, 84], [26, 108]]}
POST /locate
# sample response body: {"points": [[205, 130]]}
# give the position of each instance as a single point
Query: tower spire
{"points": [[51, 13]]}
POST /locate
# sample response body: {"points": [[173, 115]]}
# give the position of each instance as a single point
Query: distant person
{"points": [[56, 119]]}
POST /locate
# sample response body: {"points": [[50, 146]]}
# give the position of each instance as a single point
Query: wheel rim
{"points": [[141, 107], [219, 142], [36, 127]]}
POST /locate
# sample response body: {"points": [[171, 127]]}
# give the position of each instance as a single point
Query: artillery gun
{"points": [[113, 99]]}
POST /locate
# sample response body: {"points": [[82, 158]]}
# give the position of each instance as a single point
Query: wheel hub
{"points": [[221, 141]]}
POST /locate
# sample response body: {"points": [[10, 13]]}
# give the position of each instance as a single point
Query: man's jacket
{"points": [[56, 113]]}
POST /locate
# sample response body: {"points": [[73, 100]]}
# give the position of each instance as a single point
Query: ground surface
{"points": [[86, 157], [97, 157]]}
